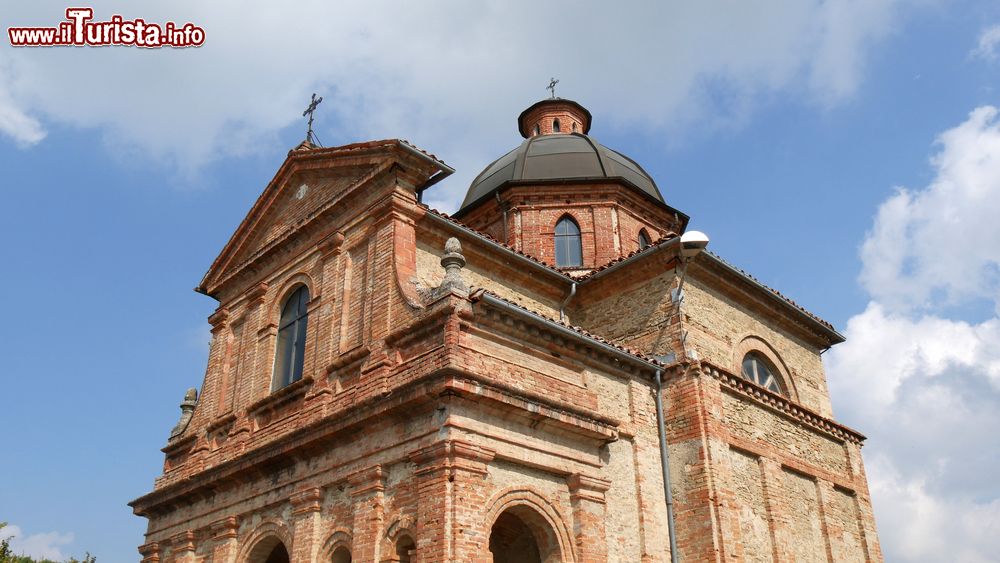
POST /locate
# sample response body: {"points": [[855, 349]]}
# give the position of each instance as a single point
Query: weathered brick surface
{"points": [[426, 416]]}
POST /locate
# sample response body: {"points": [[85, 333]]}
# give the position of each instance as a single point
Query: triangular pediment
{"points": [[310, 182]]}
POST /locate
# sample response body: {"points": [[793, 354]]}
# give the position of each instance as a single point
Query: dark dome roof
{"points": [[558, 157]]}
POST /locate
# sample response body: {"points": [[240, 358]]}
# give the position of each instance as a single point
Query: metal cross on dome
{"points": [[309, 111], [552, 86]]}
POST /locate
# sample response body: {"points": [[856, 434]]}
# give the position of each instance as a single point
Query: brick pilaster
{"points": [[224, 534], [589, 514], [306, 506], [182, 548], [452, 497], [368, 497]]}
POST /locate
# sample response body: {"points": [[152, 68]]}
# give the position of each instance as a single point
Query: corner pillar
{"points": [[451, 500]]}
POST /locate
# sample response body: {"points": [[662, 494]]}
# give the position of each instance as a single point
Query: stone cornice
{"points": [[782, 405], [585, 487]]}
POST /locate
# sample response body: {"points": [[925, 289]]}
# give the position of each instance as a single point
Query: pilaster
{"points": [[306, 527], [586, 493], [451, 499], [368, 497]]}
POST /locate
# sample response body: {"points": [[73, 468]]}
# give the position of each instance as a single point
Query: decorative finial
{"points": [[453, 261], [187, 410], [310, 136], [552, 87]]}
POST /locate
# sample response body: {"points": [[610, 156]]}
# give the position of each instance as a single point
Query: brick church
{"points": [[558, 372]]}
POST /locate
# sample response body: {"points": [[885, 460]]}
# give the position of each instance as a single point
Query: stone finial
{"points": [[453, 261], [187, 410]]}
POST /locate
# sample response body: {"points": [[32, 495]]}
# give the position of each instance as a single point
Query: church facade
{"points": [[557, 373]]}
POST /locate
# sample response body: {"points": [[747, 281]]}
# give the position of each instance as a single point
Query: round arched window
{"points": [[759, 370], [644, 241], [569, 246]]}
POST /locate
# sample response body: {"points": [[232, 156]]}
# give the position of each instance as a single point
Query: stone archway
{"points": [[522, 535]]}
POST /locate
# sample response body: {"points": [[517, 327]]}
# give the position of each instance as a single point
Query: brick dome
{"points": [[560, 156]]}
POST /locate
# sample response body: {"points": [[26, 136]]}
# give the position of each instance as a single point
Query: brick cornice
{"points": [[306, 501], [367, 481], [782, 405], [183, 541], [452, 455], [225, 528], [219, 319], [150, 552]]}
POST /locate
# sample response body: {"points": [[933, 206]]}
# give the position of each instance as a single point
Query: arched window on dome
{"points": [[644, 241], [291, 350], [555, 125], [574, 127], [537, 129], [759, 370], [569, 246]]}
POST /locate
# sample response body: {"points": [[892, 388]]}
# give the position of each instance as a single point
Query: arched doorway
{"points": [[278, 555], [269, 550], [521, 535], [341, 555]]}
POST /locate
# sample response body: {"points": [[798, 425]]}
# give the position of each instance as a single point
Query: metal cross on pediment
{"points": [[552, 86], [310, 111]]}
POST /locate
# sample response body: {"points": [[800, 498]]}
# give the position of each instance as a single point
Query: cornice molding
{"points": [[781, 405]]}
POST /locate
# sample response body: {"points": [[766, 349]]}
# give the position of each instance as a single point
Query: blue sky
{"points": [[845, 153]]}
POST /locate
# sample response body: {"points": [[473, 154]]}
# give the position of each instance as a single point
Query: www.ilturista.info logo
{"points": [[79, 31]]}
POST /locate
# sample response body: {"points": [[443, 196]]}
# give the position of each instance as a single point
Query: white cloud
{"points": [[14, 122], [46, 545], [923, 383], [986, 47], [449, 76], [941, 244]]}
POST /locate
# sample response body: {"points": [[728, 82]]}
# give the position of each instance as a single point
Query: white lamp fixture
{"points": [[692, 243]]}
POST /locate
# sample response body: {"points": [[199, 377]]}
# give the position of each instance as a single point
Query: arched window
{"points": [[404, 549], [291, 351], [537, 129], [555, 125], [569, 248], [574, 127], [644, 241], [759, 370]]}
